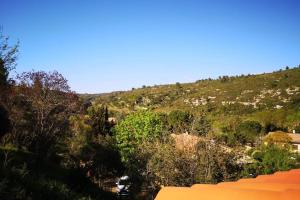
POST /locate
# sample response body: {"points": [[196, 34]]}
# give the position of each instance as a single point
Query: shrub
{"points": [[179, 121], [269, 159], [247, 131], [135, 129]]}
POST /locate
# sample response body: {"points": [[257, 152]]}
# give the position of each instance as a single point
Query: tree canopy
{"points": [[135, 129]]}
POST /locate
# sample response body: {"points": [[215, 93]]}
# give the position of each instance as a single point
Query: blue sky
{"points": [[108, 45]]}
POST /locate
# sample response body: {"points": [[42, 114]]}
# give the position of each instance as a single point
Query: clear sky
{"points": [[107, 45]]}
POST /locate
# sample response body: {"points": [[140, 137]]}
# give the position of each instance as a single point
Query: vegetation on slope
{"points": [[253, 97]]}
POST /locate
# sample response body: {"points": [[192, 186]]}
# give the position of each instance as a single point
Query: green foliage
{"points": [[251, 97], [297, 128], [98, 119], [23, 122], [3, 74], [295, 102], [8, 57], [270, 127], [248, 131], [294, 121], [8, 54], [170, 166], [271, 158], [135, 129], [42, 116], [82, 134], [18, 181], [102, 159], [28, 177], [4, 121], [39, 110], [201, 125], [228, 138], [273, 120], [278, 138], [179, 121], [224, 79], [99, 153]]}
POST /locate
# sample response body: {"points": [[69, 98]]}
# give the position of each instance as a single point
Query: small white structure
{"points": [[295, 141]]}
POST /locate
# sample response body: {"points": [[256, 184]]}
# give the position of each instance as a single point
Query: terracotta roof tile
{"points": [[278, 186]]}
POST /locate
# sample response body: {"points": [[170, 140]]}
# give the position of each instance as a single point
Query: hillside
{"points": [[246, 96], [271, 90]]}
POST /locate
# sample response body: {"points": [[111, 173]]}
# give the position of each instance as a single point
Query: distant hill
{"points": [[244, 96]]}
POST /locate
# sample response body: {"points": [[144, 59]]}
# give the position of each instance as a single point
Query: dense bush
{"points": [[200, 125], [24, 176], [170, 166], [135, 129], [179, 121], [248, 131], [271, 158]]}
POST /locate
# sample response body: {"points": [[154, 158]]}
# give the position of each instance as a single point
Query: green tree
{"points": [[179, 121], [248, 131], [8, 56], [81, 134], [3, 74], [106, 159], [98, 119], [21, 114], [100, 155], [201, 125], [135, 129], [169, 166]]}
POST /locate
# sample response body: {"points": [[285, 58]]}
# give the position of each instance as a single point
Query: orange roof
{"points": [[278, 186]]}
